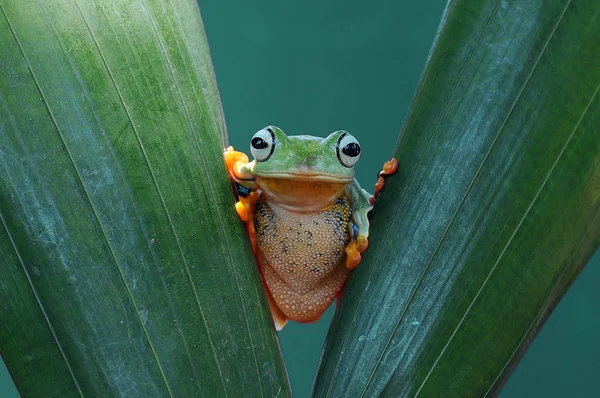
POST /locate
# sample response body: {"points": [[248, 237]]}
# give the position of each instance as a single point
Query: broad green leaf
{"points": [[494, 209], [124, 270]]}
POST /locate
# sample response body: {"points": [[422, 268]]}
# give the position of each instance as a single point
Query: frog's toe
{"points": [[242, 211], [353, 256], [362, 243], [354, 250], [389, 167], [231, 157], [245, 207], [279, 323]]}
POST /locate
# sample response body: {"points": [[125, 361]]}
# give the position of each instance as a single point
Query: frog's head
{"points": [[303, 168], [305, 157]]}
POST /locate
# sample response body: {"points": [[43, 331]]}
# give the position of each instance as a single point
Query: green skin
{"points": [[308, 158]]}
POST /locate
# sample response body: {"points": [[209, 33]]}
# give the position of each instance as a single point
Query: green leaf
{"points": [[124, 270], [494, 209]]}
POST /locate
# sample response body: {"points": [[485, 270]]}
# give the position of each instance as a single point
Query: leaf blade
{"points": [[479, 129], [138, 123]]}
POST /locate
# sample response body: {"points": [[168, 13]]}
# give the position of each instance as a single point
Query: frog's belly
{"points": [[302, 256]]}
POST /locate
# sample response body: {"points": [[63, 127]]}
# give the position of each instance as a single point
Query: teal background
{"points": [[313, 67]]}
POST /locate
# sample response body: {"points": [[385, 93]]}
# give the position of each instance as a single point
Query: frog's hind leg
{"points": [[358, 244], [279, 318], [338, 296]]}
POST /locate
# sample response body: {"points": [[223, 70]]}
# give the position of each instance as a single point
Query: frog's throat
{"points": [[301, 195]]}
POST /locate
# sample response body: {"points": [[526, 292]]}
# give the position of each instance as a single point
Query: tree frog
{"points": [[306, 216]]}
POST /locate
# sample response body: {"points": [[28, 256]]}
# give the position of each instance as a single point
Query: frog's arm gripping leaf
{"points": [[239, 169], [363, 203]]}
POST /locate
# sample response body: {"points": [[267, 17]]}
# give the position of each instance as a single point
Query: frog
{"points": [[306, 215]]}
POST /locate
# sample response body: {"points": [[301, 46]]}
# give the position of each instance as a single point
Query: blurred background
{"points": [[314, 67]]}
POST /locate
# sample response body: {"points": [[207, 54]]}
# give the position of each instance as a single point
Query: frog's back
{"points": [[302, 256]]}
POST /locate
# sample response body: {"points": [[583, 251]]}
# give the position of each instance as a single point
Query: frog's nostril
{"points": [[311, 160]]}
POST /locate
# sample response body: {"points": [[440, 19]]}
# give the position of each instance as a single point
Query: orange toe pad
{"points": [[354, 250]]}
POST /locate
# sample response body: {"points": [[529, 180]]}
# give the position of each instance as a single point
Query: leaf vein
{"points": [[211, 191], [451, 221], [512, 235], [544, 308], [163, 203], [87, 195], [39, 302]]}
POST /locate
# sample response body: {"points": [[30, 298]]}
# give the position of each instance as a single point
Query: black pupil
{"points": [[352, 149], [259, 143]]}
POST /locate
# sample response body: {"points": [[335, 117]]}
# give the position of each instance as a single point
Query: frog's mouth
{"points": [[301, 192], [307, 176]]}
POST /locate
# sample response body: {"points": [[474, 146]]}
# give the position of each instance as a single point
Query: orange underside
{"points": [[318, 309], [301, 258]]}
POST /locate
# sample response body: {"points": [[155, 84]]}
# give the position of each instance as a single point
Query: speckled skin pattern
{"points": [[302, 257]]}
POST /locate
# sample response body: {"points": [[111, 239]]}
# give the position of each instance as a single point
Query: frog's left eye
{"points": [[263, 144], [348, 150]]}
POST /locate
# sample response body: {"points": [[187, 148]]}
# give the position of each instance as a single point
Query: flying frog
{"points": [[306, 216]]}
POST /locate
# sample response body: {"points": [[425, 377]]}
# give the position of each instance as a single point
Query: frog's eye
{"points": [[348, 150], [263, 144]]}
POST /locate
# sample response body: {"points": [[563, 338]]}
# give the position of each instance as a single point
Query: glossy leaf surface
{"points": [[124, 270], [494, 210]]}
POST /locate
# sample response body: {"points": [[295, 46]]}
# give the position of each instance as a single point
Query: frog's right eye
{"points": [[348, 150], [263, 144]]}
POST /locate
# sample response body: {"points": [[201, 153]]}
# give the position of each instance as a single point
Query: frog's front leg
{"points": [[388, 168], [241, 171], [362, 204]]}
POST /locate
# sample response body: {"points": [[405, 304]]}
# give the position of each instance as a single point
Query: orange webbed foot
{"points": [[245, 206], [388, 168], [234, 162], [354, 251]]}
